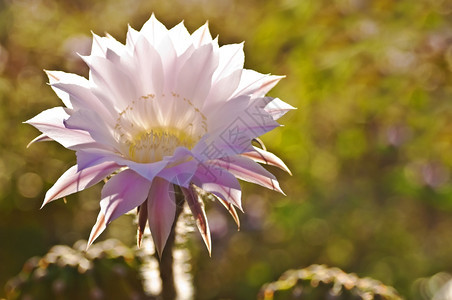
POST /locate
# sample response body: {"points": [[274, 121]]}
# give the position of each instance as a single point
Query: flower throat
{"points": [[152, 145]]}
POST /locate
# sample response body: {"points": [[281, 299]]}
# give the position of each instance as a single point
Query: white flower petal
{"points": [[221, 90], [229, 136], [111, 83], [154, 31], [180, 37], [51, 123], [278, 108], [92, 123], [195, 77], [171, 62], [101, 45], [255, 83], [202, 36], [132, 37], [149, 68], [232, 59], [75, 92]]}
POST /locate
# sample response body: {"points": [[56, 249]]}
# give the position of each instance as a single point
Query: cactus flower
{"points": [[166, 109]]}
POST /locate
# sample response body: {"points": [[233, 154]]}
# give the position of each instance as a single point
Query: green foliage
{"points": [[369, 146]]}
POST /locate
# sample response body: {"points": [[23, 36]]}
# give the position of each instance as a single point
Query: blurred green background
{"points": [[370, 146]]}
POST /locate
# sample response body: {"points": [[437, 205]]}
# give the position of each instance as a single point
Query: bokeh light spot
{"points": [[29, 185]]}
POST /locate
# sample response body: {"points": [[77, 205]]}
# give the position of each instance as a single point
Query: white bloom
{"points": [[167, 108]]}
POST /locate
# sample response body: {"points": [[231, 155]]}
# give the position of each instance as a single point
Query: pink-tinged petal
{"points": [[227, 76], [227, 135], [230, 136], [87, 158], [218, 146], [122, 193], [255, 83], [51, 123], [91, 122], [75, 92], [54, 76], [60, 76], [222, 90], [101, 45], [153, 30], [230, 209], [248, 117], [197, 209], [91, 157], [180, 174], [40, 138], [132, 37], [148, 171], [97, 47], [142, 220], [265, 157], [149, 67], [278, 108], [231, 60], [219, 182], [161, 212], [111, 82], [180, 168], [180, 37], [195, 77], [202, 36], [73, 181], [248, 170], [171, 62], [112, 56], [83, 98]]}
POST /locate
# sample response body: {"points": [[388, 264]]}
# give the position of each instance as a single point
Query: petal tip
{"points": [[40, 138], [48, 198], [98, 228], [43, 204]]}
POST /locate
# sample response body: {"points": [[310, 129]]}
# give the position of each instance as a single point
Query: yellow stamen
{"points": [[153, 144]]}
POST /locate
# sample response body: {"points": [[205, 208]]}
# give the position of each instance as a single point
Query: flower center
{"points": [[152, 127], [152, 145]]}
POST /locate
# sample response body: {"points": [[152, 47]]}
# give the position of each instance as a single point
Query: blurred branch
{"points": [[319, 281], [108, 270]]}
